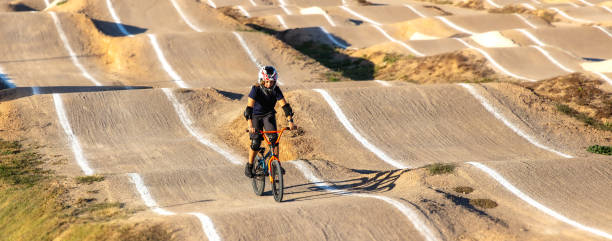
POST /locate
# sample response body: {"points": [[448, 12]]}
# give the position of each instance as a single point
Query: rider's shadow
{"points": [[380, 182]]}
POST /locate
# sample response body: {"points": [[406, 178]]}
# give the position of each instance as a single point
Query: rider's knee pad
{"points": [[255, 143], [272, 137]]}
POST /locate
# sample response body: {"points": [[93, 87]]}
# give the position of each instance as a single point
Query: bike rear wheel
{"points": [[277, 184], [259, 178]]}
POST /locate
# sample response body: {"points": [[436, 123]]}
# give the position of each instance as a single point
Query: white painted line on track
{"points": [[415, 11], [73, 56], [414, 51], [283, 5], [46, 3], [531, 37], [253, 2], [282, 21], [146, 195], [319, 11], [454, 26], [329, 20], [383, 83], [212, 4], [243, 11], [494, 4], [115, 17], [246, 48], [347, 124], [553, 60], [603, 76], [286, 10], [345, 8], [74, 142], [497, 65], [331, 38], [418, 221], [501, 180], [510, 125], [167, 67], [573, 4], [570, 17], [377, 26], [587, 3], [188, 124], [208, 226], [536, 2], [540, 43], [606, 8], [5, 80], [184, 17], [525, 19], [604, 30], [529, 6], [251, 55]]}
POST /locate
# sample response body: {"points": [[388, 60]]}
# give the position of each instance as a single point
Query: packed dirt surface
{"points": [[417, 120]]}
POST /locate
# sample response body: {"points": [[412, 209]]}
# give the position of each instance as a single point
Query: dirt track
{"points": [[163, 106]]}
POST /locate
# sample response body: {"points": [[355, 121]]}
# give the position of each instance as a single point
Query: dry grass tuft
{"points": [[483, 203], [463, 189], [579, 96], [439, 168]]}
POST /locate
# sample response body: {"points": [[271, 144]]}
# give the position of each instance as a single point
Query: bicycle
{"points": [[268, 164]]}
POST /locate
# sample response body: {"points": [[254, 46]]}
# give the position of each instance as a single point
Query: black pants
{"points": [[264, 122]]}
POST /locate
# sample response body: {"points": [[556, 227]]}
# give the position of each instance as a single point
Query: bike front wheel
{"points": [[259, 178], [277, 183]]}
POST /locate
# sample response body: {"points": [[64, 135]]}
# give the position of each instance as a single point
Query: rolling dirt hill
{"points": [[456, 129]]}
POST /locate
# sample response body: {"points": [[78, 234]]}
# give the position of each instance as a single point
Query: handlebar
{"points": [[270, 132]]}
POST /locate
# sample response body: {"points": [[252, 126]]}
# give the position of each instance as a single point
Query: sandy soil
{"points": [[145, 131]]}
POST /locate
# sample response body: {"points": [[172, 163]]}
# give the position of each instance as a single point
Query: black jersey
{"points": [[265, 100]]}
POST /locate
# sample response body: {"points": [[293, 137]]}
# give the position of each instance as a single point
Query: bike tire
{"points": [[259, 178], [277, 185]]}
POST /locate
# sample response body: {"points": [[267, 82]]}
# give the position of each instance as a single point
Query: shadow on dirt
{"points": [[465, 203], [20, 92], [20, 7], [380, 182], [230, 95], [112, 29], [319, 45], [187, 203]]}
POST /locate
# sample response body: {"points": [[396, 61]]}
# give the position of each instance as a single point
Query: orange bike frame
{"points": [[274, 156]]}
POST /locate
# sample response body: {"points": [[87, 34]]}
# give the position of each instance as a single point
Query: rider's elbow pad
{"points": [[248, 113], [288, 110]]}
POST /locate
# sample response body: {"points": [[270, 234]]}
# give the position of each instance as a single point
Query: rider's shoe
{"points": [[248, 170]]}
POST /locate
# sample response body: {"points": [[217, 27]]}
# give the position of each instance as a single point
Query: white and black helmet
{"points": [[267, 73]]}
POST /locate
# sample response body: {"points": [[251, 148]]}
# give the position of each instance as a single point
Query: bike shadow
{"points": [[382, 181]]}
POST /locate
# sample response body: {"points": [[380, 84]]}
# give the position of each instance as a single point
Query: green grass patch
{"points": [[565, 109], [481, 80], [463, 189], [35, 205], [603, 150], [439, 168], [89, 179], [61, 2], [483, 203], [391, 58], [19, 166]]}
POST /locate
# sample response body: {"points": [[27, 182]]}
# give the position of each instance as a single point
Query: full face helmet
{"points": [[267, 73]]}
